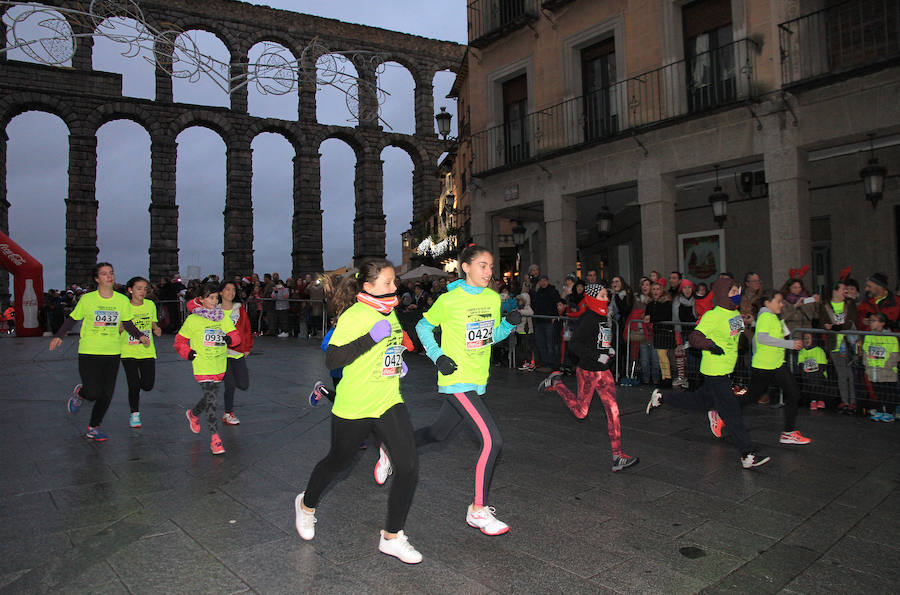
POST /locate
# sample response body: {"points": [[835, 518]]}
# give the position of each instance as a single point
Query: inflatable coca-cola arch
{"points": [[28, 292]]}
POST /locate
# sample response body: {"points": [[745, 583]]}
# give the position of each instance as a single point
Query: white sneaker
{"points": [[399, 547], [282, 335], [677, 382], [485, 521], [383, 467], [655, 400], [231, 419], [305, 521]]}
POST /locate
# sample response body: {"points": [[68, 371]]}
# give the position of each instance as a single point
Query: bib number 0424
{"points": [[479, 334]]}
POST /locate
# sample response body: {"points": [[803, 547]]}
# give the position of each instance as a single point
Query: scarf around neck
{"points": [[383, 305], [215, 314]]}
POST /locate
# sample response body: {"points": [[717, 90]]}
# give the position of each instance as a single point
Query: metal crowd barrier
{"points": [[824, 373], [257, 315]]}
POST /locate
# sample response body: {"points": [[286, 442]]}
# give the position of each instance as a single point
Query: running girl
{"points": [[367, 344], [469, 317], [204, 339], [99, 348], [139, 361], [236, 374]]}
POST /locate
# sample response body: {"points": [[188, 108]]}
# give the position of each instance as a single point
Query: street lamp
{"points": [[449, 203], [604, 218], [519, 232], [873, 176], [719, 202], [443, 122]]}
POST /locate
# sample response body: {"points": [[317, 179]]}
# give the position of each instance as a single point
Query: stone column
{"points": [[659, 246], [163, 209], [424, 98], [306, 256], [84, 49], [4, 208], [560, 215], [81, 210], [426, 188], [787, 177], [163, 53], [369, 223], [238, 252], [239, 94], [306, 87], [368, 99]]}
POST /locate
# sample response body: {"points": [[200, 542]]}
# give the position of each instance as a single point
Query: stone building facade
{"points": [[86, 99], [576, 105]]}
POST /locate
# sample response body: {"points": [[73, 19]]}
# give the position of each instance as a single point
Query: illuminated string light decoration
{"points": [[172, 50]]}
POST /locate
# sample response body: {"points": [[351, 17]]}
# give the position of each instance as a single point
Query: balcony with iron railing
{"points": [[696, 85], [491, 19], [839, 39]]}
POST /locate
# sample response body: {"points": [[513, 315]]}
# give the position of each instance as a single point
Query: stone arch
{"points": [[231, 43], [123, 193], [273, 199], [398, 112], [109, 112], [206, 119], [332, 108], [187, 90], [349, 137], [19, 103], [338, 200], [267, 98]]}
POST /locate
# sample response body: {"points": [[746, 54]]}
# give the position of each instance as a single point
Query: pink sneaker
{"points": [[215, 445], [193, 420]]}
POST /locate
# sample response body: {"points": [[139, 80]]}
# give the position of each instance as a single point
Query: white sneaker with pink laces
{"points": [[485, 521]]}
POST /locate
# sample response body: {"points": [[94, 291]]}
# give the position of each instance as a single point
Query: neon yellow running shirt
{"points": [[723, 327], [207, 338], [101, 319], [143, 316], [371, 383]]}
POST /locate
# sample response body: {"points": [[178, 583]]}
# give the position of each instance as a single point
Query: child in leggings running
{"points": [[717, 334], [139, 361], [591, 345], [367, 344], [99, 347], [237, 376], [769, 367], [204, 339], [469, 317]]}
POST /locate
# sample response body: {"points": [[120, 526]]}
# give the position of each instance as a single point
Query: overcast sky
{"points": [[37, 159]]}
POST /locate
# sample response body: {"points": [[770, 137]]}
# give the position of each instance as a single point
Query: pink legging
{"points": [[603, 383]]}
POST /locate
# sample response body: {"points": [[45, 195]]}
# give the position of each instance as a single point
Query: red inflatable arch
{"points": [[28, 275]]}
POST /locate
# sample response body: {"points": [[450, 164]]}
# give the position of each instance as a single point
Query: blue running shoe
{"points": [[74, 402], [885, 416], [319, 392], [96, 435]]}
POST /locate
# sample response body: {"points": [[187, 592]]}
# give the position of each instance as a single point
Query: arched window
{"points": [[272, 91], [335, 76], [398, 112], [201, 69]]}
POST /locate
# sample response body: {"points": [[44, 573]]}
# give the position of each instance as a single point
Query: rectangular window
{"points": [[515, 106], [598, 77], [709, 54]]}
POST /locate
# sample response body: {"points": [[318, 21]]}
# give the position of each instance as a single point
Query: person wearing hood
{"points": [[469, 317], [204, 339], [592, 347], [717, 335], [368, 344]]}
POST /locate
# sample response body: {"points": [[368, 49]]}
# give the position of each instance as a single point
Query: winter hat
{"points": [[686, 283], [591, 291], [879, 279], [662, 282], [543, 276]]}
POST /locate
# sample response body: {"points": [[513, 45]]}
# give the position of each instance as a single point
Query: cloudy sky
{"points": [[37, 158]]}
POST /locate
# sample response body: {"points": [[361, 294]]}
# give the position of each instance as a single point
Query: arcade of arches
{"points": [[86, 99]]}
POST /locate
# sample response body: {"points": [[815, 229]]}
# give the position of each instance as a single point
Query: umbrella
{"points": [[423, 270]]}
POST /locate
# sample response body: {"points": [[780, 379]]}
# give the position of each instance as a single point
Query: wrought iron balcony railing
{"points": [[839, 39], [698, 84], [491, 19]]}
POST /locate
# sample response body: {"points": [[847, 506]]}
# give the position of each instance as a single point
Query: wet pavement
{"points": [[152, 511]]}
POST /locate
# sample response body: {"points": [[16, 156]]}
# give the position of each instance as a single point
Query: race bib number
{"points": [[605, 337], [104, 318], [877, 352], [213, 337], [810, 365], [735, 325], [393, 360], [479, 334], [133, 341], [839, 318]]}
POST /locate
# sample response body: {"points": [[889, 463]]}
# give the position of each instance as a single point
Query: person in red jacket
{"points": [[879, 299]]}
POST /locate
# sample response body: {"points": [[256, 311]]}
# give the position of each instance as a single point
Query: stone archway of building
{"points": [[200, 197], [272, 203], [199, 89], [331, 103], [123, 197], [271, 98]]}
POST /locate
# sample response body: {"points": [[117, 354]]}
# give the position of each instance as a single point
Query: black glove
{"points": [[514, 317], [716, 350], [227, 340], [191, 355], [445, 365]]}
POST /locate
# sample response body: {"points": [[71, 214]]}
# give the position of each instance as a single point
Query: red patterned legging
{"points": [[603, 383]]}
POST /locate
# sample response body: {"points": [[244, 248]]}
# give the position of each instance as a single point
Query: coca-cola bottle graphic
{"points": [[29, 306]]}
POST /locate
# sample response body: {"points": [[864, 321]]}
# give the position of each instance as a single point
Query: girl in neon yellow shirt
{"points": [[368, 344], [469, 317], [139, 361]]}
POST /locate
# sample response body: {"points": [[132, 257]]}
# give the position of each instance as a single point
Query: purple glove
{"points": [[403, 370], [380, 331]]}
